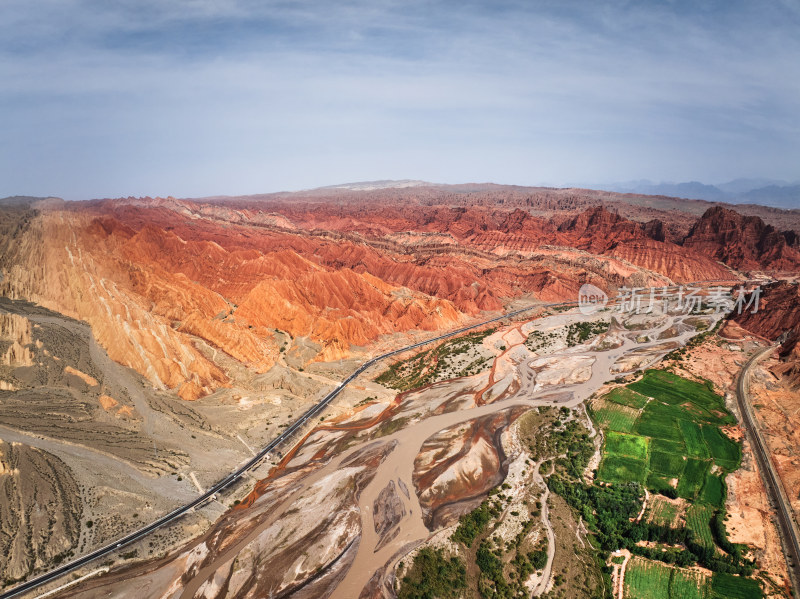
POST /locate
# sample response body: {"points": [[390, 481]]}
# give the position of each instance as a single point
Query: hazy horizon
{"points": [[732, 198]]}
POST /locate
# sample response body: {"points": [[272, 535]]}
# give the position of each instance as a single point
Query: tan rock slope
{"points": [[16, 330]]}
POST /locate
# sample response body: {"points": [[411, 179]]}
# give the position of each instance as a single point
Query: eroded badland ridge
{"points": [[150, 345]]}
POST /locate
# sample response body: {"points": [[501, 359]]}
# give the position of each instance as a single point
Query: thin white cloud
{"points": [[149, 97]]}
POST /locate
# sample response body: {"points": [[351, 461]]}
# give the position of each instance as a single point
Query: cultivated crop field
{"points": [[632, 446], [694, 476], [668, 465], [713, 491], [645, 579], [674, 390], [622, 469], [698, 518], [664, 512], [726, 586], [615, 417], [688, 584], [626, 397], [693, 439], [660, 421], [726, 453], [675, 439], [668, 433]]}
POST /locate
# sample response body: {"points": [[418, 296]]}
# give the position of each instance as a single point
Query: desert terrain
{"points": [[148, 347], [432, 453]]}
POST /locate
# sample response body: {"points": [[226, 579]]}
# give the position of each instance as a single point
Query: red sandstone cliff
{"points": [[167, 283], [743, 242], [778, 314], [599, 231]]}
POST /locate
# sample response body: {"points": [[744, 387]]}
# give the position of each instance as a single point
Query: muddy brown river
{"points": [[519, 378]]}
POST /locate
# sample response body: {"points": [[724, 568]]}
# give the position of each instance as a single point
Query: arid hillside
{"points": [[778, 318], [677, 214], [255, 308], [169, 285], [744, 242]]}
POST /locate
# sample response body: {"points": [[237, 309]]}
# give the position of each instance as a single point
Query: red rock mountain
{"points": [[778, 315], [599, 231], [170, 285], [743, 242]]}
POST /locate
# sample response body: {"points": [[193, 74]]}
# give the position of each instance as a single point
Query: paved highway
{"points": [[253, 462], [786, 524]]}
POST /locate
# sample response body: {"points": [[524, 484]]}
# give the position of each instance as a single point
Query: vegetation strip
{"points": [[678, 449]]}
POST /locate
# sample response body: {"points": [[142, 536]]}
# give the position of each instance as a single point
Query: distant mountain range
{"points": [[766, 192], [382, 184]]}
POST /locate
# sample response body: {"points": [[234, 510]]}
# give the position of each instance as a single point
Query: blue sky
{"points": [[204, 97]]}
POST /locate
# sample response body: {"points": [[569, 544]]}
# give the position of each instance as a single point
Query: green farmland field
{"points": [[687, 584], [658, 483], [661, 430], [661, 511], [615, 417], [693, 478], [654, 424], [726, 586], [713, 492], [626, 397], [682, 423], [693, 437], [669, 465], [633, 446], [666, 446], [647, 580], [698, 517], [672, 389], [726, 453], [622, 469]]}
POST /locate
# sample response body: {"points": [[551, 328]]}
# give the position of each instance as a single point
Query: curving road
{"points": [[786, 523], [236, 475]]}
